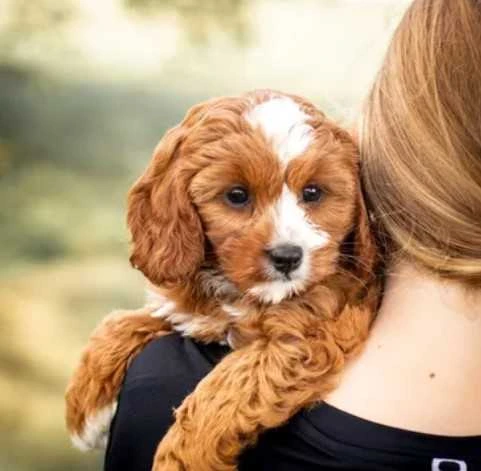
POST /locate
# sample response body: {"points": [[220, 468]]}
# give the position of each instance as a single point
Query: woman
{"points": [[412, 400]]}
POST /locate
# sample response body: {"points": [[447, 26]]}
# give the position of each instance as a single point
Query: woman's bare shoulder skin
{"points": [[421, 368]]}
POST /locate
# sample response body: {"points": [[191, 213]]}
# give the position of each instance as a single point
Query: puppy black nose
{"points": [[285, 258]]}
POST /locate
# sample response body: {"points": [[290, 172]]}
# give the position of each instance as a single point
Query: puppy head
{"points": [[262, 187]]}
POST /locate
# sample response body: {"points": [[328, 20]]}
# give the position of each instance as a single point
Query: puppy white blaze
{"points": [[291, 226], [284, 124]]}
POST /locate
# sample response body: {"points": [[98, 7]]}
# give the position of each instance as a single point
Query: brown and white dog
{"points": [[250, 226]]}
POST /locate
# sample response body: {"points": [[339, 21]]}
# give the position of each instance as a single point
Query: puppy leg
{"points": [[257, 387], [91, 396]]}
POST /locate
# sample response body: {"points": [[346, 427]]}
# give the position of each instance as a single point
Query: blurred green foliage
{"points": [[27, 19], [67, 163], [86, 90], [200, 17]]}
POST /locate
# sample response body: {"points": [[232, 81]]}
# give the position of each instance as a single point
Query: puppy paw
{"points": [[91, 401], [94, 432], [91, 397]]}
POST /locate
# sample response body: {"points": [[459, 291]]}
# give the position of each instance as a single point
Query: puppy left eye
{"points": [[312, 194], [237, 197]]}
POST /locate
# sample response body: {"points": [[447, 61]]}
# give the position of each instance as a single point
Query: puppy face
{"points": [[263, 186]]}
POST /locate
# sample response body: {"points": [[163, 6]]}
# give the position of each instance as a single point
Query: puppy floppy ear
{"points": [[167, 234], [365, 248], [360, 247]]}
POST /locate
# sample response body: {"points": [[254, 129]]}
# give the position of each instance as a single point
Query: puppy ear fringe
{"points": [[167, 235], [361, 246], [365, 247]]}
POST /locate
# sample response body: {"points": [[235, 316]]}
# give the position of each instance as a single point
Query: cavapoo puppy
{"points": [[250, 226]]}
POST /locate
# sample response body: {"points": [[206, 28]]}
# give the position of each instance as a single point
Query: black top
{"points": [[322, 438]]}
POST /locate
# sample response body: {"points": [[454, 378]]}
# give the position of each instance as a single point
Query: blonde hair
{"points": [[421, 140]]}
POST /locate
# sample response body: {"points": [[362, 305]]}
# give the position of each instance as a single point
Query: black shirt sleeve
{"points": [[157, 381]]}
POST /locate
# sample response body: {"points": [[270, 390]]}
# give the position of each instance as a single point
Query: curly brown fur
{"points": [[294, 360]]}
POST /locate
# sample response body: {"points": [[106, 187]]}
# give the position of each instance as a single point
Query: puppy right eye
{"points": [[237, 197]]}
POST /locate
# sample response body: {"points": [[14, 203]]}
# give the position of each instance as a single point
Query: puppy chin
{"points": [[273, 292]]}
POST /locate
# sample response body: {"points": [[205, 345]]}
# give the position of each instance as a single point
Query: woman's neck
{"points": [[412, 292], [421, 367]]}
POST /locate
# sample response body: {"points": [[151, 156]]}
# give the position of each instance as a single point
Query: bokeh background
{"points": [[87, 87]]}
